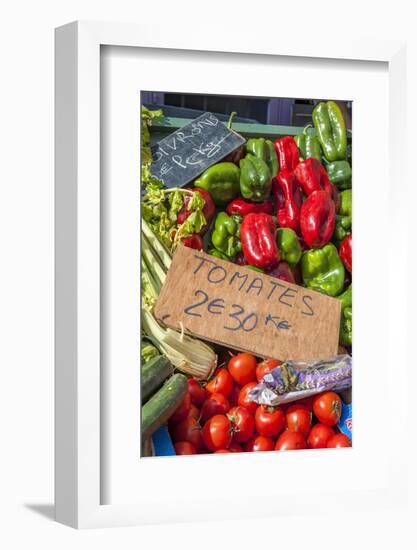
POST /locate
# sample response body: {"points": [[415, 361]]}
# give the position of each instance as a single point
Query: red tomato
{"points": [[216, 403], [290, 441], [184, 448], [197, 392], [182, 411], [221, 451], [259, 443], [243, 424], [269, 421], [265, 367], [188, 430], [194, 412], [319, 436], [298, 419], [244, 401], [217, 433], [242, 367], [327, 407], [235, 447], [338, 441], [222, 382], [307, 402], [234, 396]]}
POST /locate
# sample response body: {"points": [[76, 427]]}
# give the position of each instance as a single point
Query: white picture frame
{"points": [[79, 407]]}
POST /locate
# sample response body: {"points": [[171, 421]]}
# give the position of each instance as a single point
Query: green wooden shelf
{"points": [[165, 126]]}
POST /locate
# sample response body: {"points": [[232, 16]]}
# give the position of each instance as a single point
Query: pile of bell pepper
{"points": [[285, 208]]}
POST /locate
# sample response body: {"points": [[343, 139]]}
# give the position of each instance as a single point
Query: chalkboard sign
{"points": [[185, 154], [245, 310]]}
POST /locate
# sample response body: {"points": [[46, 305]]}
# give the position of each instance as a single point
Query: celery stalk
{"points": [[186, 353]]}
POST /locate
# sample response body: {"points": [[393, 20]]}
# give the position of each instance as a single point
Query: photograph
{"points": [[181, 187], [246, 274]]}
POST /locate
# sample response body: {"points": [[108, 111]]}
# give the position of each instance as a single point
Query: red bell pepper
{"points": [[209, 209], [345, 252], [194, 241], [243, 207], [287, 195], [283, 272], [311, 176], [258, 236], [317, 219], [287, 152]]}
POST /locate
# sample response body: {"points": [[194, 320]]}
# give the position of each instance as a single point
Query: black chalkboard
{"points": [[185, 154]]}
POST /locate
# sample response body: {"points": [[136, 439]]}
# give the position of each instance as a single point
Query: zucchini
{"points": [[154, 372], [159, 408]]}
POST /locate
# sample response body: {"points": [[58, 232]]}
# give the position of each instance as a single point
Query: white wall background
{"points": [[26, 275]]}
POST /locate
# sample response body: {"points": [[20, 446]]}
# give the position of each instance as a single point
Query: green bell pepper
{"points": [[349, 153], [289, 246], [345, 336], [217, 254], [323, 270], [343, 225], [331, 130], [308, 145], [255, 179], [263, 149], [340, 173], [346, 297], [221, 181], [342, 228], [226, 235], [345, 208]]}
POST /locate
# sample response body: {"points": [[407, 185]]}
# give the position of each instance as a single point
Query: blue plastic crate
{"points": [[162, 443]]}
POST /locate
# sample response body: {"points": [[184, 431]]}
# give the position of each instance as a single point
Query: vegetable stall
{"points": [[278, 205]]}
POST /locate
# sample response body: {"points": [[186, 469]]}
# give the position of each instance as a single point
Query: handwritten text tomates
{"points": [[247, 310]]}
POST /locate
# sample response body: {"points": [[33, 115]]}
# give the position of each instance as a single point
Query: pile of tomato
{"points": [[220, 418]]}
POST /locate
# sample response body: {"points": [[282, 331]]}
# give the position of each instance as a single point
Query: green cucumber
{"points": [[154, 372], [159, 408]]}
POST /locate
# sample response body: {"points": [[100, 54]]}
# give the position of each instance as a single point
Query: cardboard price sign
{"points": [[185, 154], [234, 306]]}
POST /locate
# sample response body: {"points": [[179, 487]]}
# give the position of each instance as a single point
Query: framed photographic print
{"points": [[209, 315]]}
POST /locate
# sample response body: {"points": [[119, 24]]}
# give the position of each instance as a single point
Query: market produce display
{"points": [[283, 208]]}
